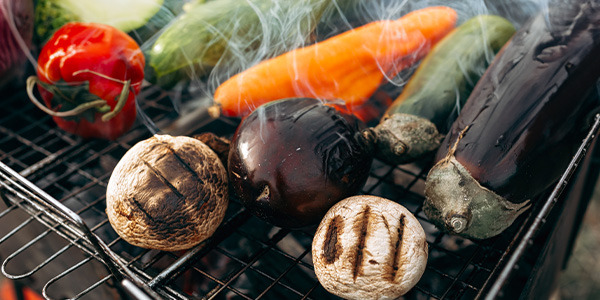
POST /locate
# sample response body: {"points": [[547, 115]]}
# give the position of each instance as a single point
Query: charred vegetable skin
{"points": [[291, 160], [521, 125], [415, 124]]}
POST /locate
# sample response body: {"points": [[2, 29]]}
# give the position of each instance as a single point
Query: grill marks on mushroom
{"points": [[332, 247], [397, 249], [361, 227], [167, 193], [369, 247]]}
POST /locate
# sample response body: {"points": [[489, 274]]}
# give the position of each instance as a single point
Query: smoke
{"points": [[281, 26], [238, 34], [270, 28]]}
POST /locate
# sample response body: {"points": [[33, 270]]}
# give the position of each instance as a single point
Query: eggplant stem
{"points": [[32, 80], [455, 145]]}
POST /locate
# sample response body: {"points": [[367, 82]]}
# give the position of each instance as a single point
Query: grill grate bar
{"points": [[146, 252], [63, 274], [451, 277], [51, 228], [34, 118], [8, 210], [278, 236], [93, 286], [220, 282], [179, 266], [27, 145], [28, 171], [287, 270], [39, 266], [270, 245], [149, 263], [52, 223], [75, 172], [58, 218], [16, 229], [467, 262], [314, 287], [545, 211], [79, 167], [260, 272], [283, 253], [425, 291], [30, 191], [455, 280]]}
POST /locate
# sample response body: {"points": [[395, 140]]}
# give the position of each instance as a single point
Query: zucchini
{"points": [[140, 18], [521, 124], [430, 101], [229, 33]]}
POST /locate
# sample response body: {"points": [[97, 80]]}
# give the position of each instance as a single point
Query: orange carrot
{"points": [[349, 66]]}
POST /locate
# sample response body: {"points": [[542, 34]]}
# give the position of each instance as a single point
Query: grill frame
{"points": [[62, 179]]}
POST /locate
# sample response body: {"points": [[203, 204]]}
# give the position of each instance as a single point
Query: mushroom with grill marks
{"points": [[167, 193], [368, 247]]}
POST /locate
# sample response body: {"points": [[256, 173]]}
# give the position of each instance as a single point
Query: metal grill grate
{"points": [[246, 258]]}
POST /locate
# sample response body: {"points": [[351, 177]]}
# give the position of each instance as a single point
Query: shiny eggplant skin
{"points": [[292, 159], [521, 124]]}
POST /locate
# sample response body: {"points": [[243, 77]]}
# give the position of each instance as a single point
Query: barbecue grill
{"points": [[55, 236]]}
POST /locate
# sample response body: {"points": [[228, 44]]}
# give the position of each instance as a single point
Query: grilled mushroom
{"points": [[167, 193], [368, 247]]}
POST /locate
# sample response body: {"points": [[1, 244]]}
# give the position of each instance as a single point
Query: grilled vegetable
{"points": [[16, 31], [349, 66], [368, 247], [292, 159], [229, 33], [88, 75], [439, 87], [167, 193], [521, 125], [140, 17]]}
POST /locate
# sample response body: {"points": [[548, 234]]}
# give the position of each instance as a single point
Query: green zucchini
{"points": [[439, 87], [140, 18], [229, 33]]}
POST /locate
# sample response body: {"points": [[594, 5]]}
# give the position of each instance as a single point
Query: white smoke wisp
{"points": [[280, 26]]}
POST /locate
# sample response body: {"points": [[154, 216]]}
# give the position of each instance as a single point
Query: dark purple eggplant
{"points": [[292, 159], [521, 125]]}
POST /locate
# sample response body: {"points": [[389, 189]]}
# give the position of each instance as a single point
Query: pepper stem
{"points": [[120, 102], [99, 75], [32, 80], [122, 96]]}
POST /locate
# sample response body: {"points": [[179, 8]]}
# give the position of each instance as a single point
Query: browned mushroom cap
{"points": [[367, 247], [167, 193]]}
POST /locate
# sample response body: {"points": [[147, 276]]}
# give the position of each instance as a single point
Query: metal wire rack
{"points": [[55, 235]]}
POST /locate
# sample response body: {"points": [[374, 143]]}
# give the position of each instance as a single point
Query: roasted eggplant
{"points": [[417, 121], [291, 160], [521, 124]]}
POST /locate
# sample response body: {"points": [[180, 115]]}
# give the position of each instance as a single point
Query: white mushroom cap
{"points": [[167, 193], [368, 247]]}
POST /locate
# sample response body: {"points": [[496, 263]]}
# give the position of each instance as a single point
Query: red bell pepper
{"points": [[88, 75]]}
